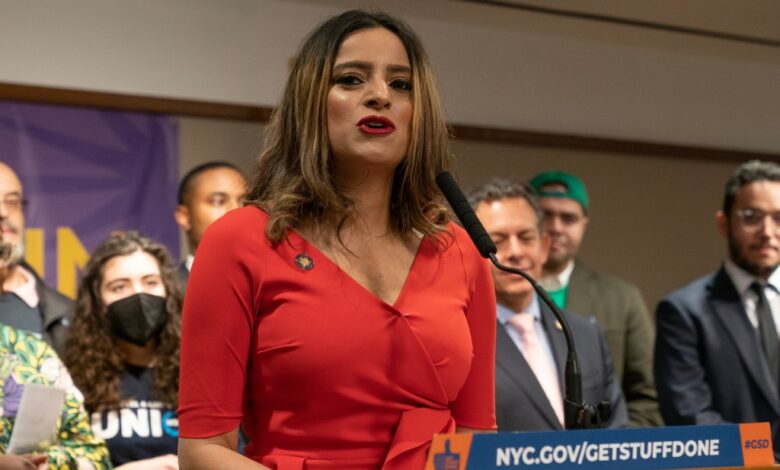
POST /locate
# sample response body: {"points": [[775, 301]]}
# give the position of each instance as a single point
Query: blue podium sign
{"points": [[731, 445]]}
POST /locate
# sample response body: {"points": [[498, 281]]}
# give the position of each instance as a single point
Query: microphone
{"points": [[577, 415], [460, 205]]}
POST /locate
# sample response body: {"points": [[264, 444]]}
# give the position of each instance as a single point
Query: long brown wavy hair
{"points": [[91, 354], [293, 182]]}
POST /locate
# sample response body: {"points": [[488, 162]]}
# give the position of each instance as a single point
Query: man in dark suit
{"points": [[26, 303], [206, 193], [530, 345], [617, 304], [717, 356]]}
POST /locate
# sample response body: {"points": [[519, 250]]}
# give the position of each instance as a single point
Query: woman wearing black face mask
{"points": [[123, 350]]}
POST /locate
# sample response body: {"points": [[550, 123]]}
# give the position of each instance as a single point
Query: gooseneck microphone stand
{"points": [[577, 413]]}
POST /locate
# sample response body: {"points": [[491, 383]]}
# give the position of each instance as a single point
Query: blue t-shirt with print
{"points": [[142, 428]]}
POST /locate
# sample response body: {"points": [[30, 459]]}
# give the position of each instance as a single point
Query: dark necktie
{"points": [[767, 330]]}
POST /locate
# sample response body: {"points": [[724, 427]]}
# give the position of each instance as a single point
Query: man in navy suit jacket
{"points": [[526, 397], [717, 349]]}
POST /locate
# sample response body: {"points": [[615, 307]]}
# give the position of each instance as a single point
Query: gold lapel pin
{"points": [[304, 262]]}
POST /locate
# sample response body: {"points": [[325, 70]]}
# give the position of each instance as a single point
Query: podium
{"points": [[678, 447]]}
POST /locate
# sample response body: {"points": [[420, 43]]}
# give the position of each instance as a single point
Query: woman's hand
{"points": [[164, 462], [22, 462]]}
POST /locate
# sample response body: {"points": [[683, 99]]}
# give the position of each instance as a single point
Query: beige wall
{"points": [[202, 140], [652, 219], [498, 67]]}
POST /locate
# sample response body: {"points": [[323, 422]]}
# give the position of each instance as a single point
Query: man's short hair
{"points": [[747, 173], [185, 187], [504, 188]]}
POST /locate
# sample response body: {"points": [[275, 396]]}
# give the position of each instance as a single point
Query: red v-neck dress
{"points": [[320, 372]]}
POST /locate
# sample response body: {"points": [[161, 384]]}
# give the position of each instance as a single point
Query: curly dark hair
{"points": [[91, 355]]}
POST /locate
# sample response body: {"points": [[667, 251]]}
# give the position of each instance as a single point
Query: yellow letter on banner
{"points": [[71, 256], [33, 249]]}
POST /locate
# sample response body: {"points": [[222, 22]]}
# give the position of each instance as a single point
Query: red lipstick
{"points": [[376, 125]]}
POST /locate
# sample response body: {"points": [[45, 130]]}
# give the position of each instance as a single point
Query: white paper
{"points": [[35, 427]]}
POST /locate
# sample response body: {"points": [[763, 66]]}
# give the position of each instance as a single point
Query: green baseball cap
{"points": [[574, 187]]}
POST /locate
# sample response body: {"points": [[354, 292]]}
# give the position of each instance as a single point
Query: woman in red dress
{"points": [[339, 317]]}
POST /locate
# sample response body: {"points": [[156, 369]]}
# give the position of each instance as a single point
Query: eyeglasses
{"points": [[13, 203], [753, 219]]}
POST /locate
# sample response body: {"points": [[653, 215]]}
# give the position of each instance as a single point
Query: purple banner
{"points": [[87, 172]]}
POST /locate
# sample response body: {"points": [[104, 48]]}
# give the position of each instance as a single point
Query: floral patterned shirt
{"points": [[26, 358]]}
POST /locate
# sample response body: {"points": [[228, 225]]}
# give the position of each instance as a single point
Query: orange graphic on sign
{"points": [[756, 444], [449, 452]]}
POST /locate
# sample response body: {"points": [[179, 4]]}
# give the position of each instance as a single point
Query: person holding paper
{"points": [[22, 462], [26, 359], [123, 350]]}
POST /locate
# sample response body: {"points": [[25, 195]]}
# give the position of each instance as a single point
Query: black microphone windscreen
{"points": [[460, 205]]}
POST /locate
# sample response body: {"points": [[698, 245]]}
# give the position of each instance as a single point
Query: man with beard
{"points": [[617, 305], [717, 355], [25, 301]]}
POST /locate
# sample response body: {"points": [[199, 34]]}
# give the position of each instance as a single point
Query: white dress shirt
{"points": [[558, 281], [742, 281]]}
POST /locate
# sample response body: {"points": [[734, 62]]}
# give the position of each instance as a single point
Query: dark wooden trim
{"points": [[604, 144], [754, 40], [126, 102], [216, 110]]}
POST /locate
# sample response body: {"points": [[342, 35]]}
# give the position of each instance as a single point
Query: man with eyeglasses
{"points": [[616, 304], [717, 356], [26, 303]]}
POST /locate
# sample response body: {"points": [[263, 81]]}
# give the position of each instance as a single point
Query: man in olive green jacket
{"points": [[617, 305]]}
